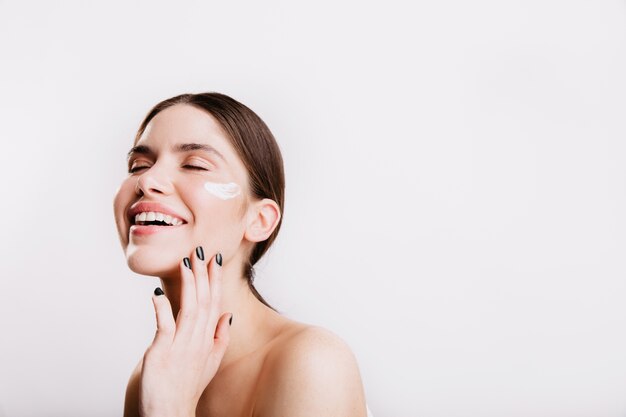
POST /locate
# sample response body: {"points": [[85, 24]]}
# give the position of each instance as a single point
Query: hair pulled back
{"points": [[257, 148]]}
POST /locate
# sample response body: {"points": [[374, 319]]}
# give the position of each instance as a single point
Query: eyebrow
{"points": [[181, 147]]}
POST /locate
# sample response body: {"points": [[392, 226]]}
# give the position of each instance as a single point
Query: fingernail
{"points": [[158, 291], [230, 320], [200, 253], [187, 262], [218, 259]]}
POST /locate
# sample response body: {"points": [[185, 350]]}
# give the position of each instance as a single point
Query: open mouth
{"points": [[151, 218], [153, 223]]}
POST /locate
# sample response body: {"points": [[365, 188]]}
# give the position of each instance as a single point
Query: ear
{"points": [[263, 217]]}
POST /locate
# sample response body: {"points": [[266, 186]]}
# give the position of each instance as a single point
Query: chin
{"points": [[144, 261]]}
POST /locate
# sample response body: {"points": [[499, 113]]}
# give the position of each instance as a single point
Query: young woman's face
{"points": [[184, 165]]}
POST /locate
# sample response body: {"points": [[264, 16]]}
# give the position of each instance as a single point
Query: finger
{"points": [[203, 301], [222, 336], [188, 305], [199, 267], [215, 285], [166, 326]]}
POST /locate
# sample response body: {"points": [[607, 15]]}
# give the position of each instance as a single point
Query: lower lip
{"points": [[138, 230]]}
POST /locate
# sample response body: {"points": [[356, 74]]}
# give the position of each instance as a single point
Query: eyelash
{"points": [[195, 167]]}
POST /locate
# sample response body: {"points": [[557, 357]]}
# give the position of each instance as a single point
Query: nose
{"points": [[152, 181]]}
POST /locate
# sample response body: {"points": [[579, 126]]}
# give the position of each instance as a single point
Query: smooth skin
{"points": [[198, 332], [262, 365]]}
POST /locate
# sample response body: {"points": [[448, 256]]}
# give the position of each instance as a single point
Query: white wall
{"points": [[455, 197]]}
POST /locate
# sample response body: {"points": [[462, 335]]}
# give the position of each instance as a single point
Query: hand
{"points": [[185, 353]]}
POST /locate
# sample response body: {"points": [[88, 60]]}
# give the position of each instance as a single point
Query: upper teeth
{"points": [[149, 216]]}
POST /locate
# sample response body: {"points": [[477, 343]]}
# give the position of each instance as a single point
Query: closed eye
{"points": [[195, 167], [135, 169]]}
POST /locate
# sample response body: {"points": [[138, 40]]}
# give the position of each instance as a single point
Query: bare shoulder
{"points": [[131, 402], [310, 344], [310, 371]]}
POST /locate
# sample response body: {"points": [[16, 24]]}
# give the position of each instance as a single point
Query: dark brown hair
{"points": [[257, 148]]}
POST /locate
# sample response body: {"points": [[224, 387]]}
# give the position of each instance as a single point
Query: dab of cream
{"points": [[223, 191]]}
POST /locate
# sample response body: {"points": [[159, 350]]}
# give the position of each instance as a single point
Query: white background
{"points": [[455, 192]]}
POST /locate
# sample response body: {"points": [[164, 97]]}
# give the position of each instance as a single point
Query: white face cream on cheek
{"points": [[223, 191]]}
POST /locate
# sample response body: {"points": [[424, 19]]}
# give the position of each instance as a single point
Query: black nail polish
{"points": [[158, 291], [218, 259], [230, 320], [187, 262], [200, 253]]}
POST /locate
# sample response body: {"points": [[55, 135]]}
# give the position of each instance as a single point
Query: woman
{"points": [[201, 204]]}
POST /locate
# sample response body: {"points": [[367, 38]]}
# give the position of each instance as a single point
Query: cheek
{"points": [[123, 195], [122, 198], [218, 202], [222, 191], [218, 198]]}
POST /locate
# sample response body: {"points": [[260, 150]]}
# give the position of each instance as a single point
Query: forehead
{"points": [[183, 123]]}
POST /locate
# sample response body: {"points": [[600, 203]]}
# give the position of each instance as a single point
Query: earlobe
{"points": [[264, 216]]}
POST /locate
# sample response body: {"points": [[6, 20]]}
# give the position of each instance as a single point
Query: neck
{"points": [[253, 322]]}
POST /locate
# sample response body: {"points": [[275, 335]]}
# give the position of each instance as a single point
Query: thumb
{"points": [[166, 326], [222, 335]]}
